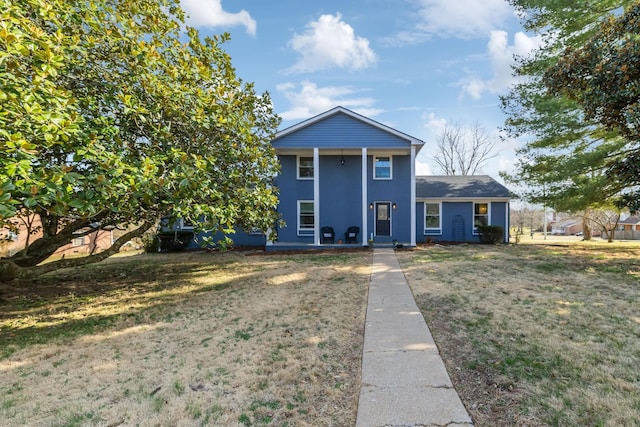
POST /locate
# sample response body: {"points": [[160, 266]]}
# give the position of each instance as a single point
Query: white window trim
{"points": [[473, 215], [304, 178], [305, 231], [390, 168], [182, 226], [432, 230], [76, 242]]}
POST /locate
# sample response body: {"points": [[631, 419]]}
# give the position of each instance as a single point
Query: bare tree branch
{"points": [[464, 151]]}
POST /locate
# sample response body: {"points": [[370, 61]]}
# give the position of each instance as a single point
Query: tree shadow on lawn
{"points": [[85, 300]]}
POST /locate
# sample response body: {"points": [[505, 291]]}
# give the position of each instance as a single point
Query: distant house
{"points": [[629, 228], [568, 227], [347, 179], [94, 242]]}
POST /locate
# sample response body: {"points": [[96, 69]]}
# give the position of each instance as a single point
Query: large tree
{"points": [[114, 113], [603, 77], [565, 162], [463, 150]]}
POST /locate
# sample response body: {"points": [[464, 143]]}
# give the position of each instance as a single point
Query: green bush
{"points": [[491, 234]]}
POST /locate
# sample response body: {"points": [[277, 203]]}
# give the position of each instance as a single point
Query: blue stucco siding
{"points": [[341, 194], [396, 190], [340, 131]]}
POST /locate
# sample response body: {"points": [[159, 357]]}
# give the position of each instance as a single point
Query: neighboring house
{"points": [[14, 241], [629, 228], [568, 227], [341, 170]]}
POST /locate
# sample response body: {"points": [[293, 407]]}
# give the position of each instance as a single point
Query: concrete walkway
{"points": [[404, 381]]}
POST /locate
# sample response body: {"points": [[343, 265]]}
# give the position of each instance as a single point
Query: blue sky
{"points": [[414, 65]]}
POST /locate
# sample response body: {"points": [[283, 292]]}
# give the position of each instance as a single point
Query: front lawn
{"points": [[186, 339], [536, 335]]}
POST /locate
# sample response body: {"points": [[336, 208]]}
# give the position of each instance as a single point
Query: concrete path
{"points": [[404, 381]]}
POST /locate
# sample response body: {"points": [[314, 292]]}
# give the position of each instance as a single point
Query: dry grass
{"points": [[186, 339], [536, 335]]}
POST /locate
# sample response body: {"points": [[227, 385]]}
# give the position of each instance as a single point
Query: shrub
{"points": [[491, 234]]}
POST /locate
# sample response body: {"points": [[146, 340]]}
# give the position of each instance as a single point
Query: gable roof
{"points": [[341, 110], [633, 219], [460, 187]]}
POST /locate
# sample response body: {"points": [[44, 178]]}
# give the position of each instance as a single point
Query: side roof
{"points": [[282, 135], [633, 219], [460, 187]]}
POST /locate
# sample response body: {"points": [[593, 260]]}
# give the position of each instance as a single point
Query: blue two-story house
{"points": [[340, 170], [346, 179]]}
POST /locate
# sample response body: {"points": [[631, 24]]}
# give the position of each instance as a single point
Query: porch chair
{"points": [[351, 236], [327, 235]]}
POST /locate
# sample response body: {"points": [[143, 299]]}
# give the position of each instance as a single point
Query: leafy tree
{"points": [[111, 114], [603, 77], [564, 165], [463, 151]]}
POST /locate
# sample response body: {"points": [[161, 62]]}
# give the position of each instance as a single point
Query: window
{"points": [[305, 167], [432, 218], [78, 241], [306, 218], [480, 215], [185, 224], [382, 167]]}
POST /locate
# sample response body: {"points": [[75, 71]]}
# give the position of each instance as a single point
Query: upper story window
{"points": [[432, 217], [305, 167], [480, 215], [77, 241], [382, 167]]}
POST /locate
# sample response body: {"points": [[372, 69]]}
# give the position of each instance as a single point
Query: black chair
{"points": [[351, 236], [327, 235]]}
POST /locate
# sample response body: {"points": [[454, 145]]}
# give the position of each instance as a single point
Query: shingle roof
{"points": [[633, 219], [461, 187]]}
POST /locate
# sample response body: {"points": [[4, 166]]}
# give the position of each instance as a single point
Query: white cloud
{"points": [[330, 42], [209, 13], [462, 18], [502, 57], [434, 125], [308, 99]]}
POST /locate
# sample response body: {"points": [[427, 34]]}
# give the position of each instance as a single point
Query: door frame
{"points": [[389, 218]]}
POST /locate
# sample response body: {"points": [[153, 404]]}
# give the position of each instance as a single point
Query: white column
{"points": [[413, 195], [507, 222], [365, 205], [316, 195]]}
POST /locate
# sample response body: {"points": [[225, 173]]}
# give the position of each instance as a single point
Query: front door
{"points": [[383, 218]]}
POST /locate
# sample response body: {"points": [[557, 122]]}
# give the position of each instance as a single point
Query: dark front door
{"points": [[383, 219]]}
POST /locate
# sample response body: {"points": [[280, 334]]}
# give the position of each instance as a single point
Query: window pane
{"points": [[306, 167], [306, 207], [383, 167], [433, 209], [481, 208], [433, 222]]}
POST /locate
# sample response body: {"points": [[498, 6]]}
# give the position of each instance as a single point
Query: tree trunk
{"points": [[10, 270]]}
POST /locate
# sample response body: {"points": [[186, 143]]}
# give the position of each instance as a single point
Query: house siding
{"points": [[450, 210], [341, 131], [395, 190], [292, 189], [341, 194]]}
